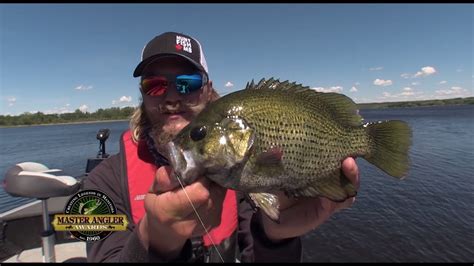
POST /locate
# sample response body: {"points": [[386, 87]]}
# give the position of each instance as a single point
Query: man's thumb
{"points": [[165, 180]]}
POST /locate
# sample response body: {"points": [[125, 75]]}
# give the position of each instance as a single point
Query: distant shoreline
{"points": [[425, 103], [128, 112], [69, 123]]}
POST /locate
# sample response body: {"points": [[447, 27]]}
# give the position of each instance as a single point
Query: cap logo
{"points": [[183, 43]]}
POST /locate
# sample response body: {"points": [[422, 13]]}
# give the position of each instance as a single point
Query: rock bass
{"points": [[282, 136]]}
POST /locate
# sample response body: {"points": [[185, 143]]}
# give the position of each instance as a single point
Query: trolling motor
{"points": [[102, 136]]}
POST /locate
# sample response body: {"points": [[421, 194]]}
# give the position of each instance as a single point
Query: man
{"points": [[175, 87]]}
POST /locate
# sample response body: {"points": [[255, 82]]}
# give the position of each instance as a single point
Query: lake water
{"points": [[427, 217]]}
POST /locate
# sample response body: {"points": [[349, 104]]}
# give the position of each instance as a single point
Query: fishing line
{"points": [[200, 220]]}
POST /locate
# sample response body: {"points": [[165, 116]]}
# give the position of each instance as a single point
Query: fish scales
{"points": [[281, 136], [308, 137]]}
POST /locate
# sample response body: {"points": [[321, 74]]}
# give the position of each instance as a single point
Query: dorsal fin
{"points": [[250, 85], [341, 106], [261, 84], [273, 84]]}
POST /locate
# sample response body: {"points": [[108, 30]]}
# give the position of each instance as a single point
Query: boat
{"points": [[26, 234]]}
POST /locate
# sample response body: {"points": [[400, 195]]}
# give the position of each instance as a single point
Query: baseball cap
{"points": [[172, 43]]}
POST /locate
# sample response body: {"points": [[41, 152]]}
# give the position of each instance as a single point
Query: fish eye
{"points": [[198, 133]]}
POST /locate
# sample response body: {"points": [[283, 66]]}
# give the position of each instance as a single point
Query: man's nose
{"points": [[172, 94]]}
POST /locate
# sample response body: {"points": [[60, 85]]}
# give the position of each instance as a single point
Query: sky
{"points": [[57, 58]]}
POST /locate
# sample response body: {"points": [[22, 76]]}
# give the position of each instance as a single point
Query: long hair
{"points": [[139, 122]]}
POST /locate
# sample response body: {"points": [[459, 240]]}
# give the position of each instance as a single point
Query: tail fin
{"points": [[390, 141]]}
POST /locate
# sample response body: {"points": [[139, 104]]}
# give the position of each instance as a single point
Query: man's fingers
{"points": [[165, 180], [300, 218], [284, 201], [346, 204], [351, 171], [209, 212], [176, 204]]}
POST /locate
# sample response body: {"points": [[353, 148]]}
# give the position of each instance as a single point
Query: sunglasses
{"points": [[185, 84]]}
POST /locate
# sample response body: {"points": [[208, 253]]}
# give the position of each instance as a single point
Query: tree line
{"points": [[453, 101], [38, 118], [117, 113]]}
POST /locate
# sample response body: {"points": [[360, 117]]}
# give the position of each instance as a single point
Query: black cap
{"points": [[172, 43]]}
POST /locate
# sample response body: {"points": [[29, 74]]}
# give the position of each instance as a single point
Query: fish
{"points": [[282, 136]]}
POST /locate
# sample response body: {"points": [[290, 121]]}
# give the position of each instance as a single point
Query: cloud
{"points": [[407, 91], [357, 83], [337, 89], [375, 68], [406, 94], [459, 70], [83, 108], [123, 99], [415, 83], [453, 92], [83, 88], [381, 82], [229, 84], [59, 110], [443, 82], [353, 89], [11, 101], [425, 71], [126, 99]]}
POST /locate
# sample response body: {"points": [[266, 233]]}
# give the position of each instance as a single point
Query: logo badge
{"points": [[90, 215], [183, 43]]}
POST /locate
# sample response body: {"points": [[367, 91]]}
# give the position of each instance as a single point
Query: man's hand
{"points": [[170, 219], [300, 216]]}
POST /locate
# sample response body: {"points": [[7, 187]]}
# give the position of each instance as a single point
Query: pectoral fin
{"points": [[272, 156], [268, 203]]}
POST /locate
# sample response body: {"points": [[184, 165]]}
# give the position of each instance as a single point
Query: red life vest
{"points": [[140, 174]]}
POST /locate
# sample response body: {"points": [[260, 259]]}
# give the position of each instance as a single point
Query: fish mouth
{"points": [[183, 163]]}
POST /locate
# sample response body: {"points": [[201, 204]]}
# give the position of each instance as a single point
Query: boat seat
{"points": [[34, 180]]}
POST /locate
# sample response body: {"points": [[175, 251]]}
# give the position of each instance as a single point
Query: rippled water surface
{"points": [[427, 217]]}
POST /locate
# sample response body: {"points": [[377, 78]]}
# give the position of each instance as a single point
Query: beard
{"points": [[163, 131], [161, 136]]}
